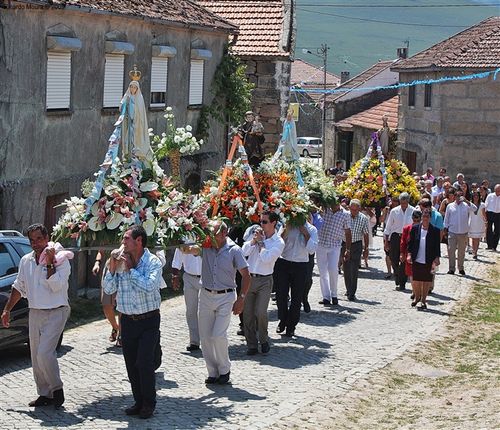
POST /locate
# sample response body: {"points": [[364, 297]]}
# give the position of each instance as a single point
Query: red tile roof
{"points": [[260, 25], [311, 75], [360, 79], [477, 47], [180, 11], [372, 118]]}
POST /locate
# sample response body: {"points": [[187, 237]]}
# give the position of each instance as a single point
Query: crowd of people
{"points": [[237, 273]]}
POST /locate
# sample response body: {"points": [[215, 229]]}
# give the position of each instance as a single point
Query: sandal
{"points": [[113, 335], [119, 342]]}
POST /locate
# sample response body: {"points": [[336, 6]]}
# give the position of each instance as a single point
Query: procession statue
{"points": [[252, 133]]}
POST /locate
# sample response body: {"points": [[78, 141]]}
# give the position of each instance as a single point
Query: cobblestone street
{"points": [[291, 386]]}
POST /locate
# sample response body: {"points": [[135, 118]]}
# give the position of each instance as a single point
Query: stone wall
{"points": [[271, 95], [45, 153], [460, 131]]}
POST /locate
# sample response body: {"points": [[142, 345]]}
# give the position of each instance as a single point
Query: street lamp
{"points": [[322, 53]]}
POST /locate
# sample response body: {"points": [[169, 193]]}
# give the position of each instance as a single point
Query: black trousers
{"points": [[309, 280], [351, 268], [493, 230], [397, 267], [140, 340], [290, 278]]}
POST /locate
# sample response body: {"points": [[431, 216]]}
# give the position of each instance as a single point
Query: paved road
{"points": [[292, 386]]}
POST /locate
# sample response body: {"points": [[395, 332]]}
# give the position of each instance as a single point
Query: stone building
{"points": [[364, 123], [64, 68], [265, 42], [354, 96], [307, 76], [453, 124]]}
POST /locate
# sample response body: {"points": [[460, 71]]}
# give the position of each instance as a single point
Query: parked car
{"points": [[310, 146]]}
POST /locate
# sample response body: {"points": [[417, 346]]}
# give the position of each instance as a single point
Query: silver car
{"points": [[310, 146]]}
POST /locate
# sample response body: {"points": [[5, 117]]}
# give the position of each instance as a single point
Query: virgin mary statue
{"points": [[135, 136]]}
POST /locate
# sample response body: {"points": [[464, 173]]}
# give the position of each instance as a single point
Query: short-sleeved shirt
{"points": [[219, 266], [359, 227], [332, 231]]}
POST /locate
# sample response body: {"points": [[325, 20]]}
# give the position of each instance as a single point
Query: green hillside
{"points": [[355, 44]]}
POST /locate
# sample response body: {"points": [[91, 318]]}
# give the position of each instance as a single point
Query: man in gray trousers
{"points": [[46, 288]]}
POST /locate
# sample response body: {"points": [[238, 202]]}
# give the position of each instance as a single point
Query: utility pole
{"points": [[323, 54]]}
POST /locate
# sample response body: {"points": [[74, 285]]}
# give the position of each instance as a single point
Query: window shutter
{"points": [[159, 72], [113, 80], [196, 82], [58, 80]]}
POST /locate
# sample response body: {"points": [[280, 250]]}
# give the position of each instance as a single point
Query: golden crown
{"points": [[135, 74]]}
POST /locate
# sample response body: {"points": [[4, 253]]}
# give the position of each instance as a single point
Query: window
{"points": [[411, 96], [159, 71], [196, 82], [428, 95], [53, 213], [7, 265], [113, 80], [58, 80]]}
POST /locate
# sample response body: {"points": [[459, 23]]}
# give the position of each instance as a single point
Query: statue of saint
{"points": [[135, 135], [289, 139], [252, 133], [384, 135]]}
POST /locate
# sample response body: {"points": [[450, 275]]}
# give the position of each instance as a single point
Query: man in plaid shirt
{"points": [[336, 226], [359, 248], [138, 300]]}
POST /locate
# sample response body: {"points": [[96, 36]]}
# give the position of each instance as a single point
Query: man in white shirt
{"points": [[192, 286], [262, 250], [46, 288], [456, 224], [291, 273], [492, 208], [436, 192], [397, 219]]}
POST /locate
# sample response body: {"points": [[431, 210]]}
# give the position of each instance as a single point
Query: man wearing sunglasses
{"points": [[262, 251]]}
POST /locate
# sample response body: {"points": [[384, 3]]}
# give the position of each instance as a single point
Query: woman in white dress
{"points": [[477, 223]]}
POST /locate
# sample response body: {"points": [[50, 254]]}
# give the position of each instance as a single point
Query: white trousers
{"points": [[213, 318], [327, 260], [191, 298], [45, 328]]}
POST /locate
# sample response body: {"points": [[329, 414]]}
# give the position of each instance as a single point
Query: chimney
{"points": [[344, 76], [402, 53]]}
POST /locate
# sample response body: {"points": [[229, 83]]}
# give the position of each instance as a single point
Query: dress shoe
{"points": [[290, 333], [352, 298], [474, 257], [252, 351], [133, 410], [146, 412], [193, 347], [324, 302], [307, 307], [41, 401], [58, 398], [281, 328], [211, 380], [414, 303], [224, 379], [412, 296], [451, 272], [335, 301], [462, 272], [265, 347]]}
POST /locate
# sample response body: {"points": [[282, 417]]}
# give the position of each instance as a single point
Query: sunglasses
{"points": [[263, 221]]}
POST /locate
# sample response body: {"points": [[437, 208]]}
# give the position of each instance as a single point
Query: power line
{"points": [[382, 21], [399, 6]]}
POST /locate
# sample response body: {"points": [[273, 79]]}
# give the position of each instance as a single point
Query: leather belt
{"points": [[257, 275], [137, 317], [190, 274], [229, 290]]}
